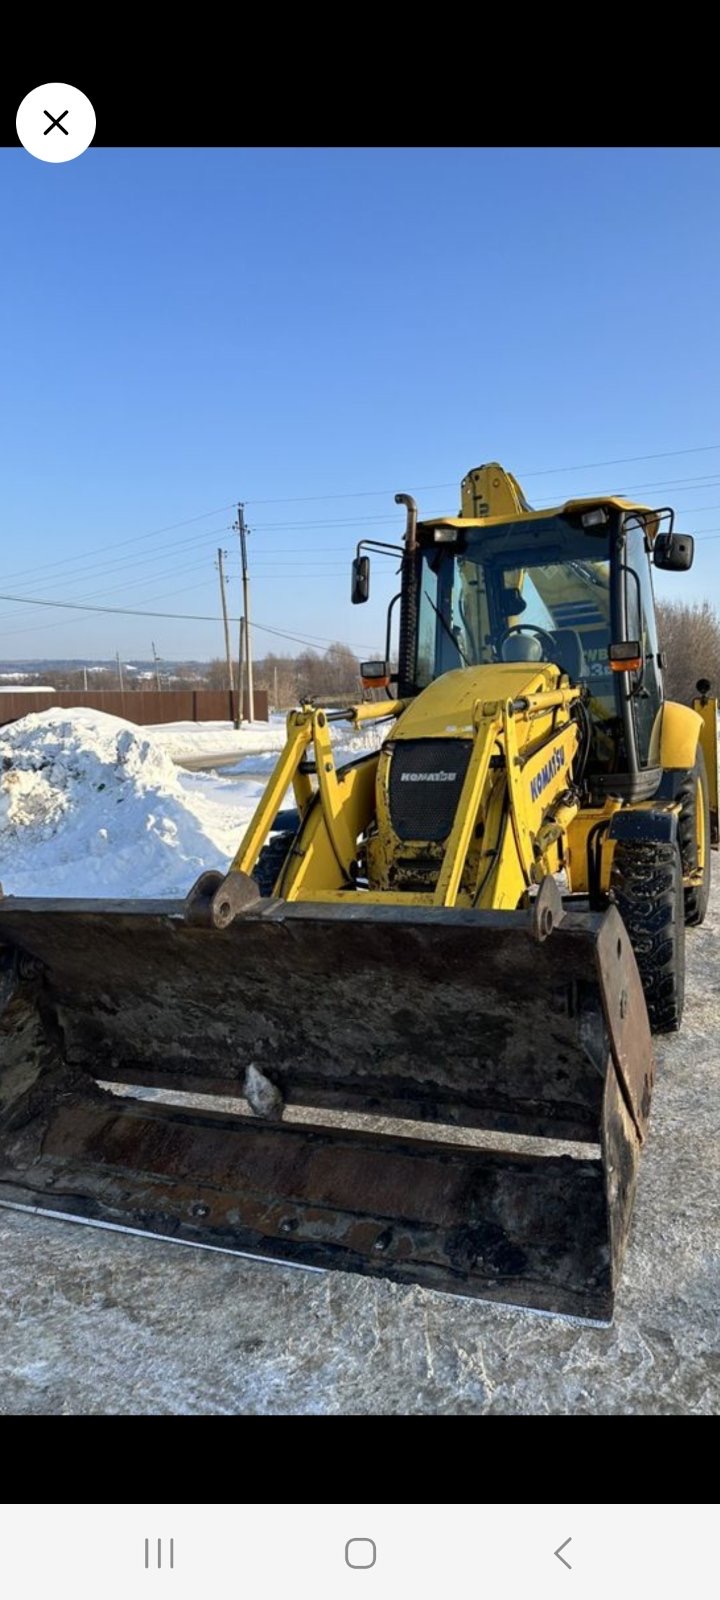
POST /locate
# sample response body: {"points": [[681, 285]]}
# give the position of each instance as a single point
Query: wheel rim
{"points": [[700, 826]]}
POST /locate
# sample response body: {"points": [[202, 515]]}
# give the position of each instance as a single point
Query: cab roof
{"points": [[569, 507]]}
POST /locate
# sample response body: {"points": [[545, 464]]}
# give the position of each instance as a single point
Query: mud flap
{"points": [[418, 1068]]}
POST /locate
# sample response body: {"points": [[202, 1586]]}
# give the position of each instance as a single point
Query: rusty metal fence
{"points": [[142, 706]]}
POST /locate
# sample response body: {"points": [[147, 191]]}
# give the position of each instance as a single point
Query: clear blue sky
{"points": [[185, 328]]}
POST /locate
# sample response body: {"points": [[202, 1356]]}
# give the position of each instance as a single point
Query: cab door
{"points": [[644, 686]]}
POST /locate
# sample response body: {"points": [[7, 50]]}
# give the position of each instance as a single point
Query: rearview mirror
{"points": [[673, 552], [360, 590]]}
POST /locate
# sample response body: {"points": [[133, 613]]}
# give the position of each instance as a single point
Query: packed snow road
{"points": [[93, 1321]]}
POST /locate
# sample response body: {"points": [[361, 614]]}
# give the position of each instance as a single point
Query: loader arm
{"points": [[518, 778], [334, 825]]}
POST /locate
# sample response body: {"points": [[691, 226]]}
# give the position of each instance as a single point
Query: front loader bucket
{"points": [[444, 1098]]}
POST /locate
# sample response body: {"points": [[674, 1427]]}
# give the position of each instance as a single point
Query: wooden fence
{"points": [[137, 705]]}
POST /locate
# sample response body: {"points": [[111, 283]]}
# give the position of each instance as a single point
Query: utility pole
{"points": [[85, 679], [242, 531], [120, 672], [156, 659], [241, 674], [275, 688], [223, 600]]}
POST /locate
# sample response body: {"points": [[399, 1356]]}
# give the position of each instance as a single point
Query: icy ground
{"points": [[93, 1322], [91, 805]]}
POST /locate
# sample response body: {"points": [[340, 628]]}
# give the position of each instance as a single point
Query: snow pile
{"points": [[91, 805]]}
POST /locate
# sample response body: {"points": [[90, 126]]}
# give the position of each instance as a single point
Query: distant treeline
{"points": [[689, 635], [288, 679]]}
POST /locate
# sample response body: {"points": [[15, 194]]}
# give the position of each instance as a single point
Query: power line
{"points": [[621, 461], [193, 540], [115, 544], [321, 569], [536, 472], [59, 604], [95, 594], [109, 567], [113, 568], [172, 616]]}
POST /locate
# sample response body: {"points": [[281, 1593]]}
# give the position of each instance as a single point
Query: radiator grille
{"points": [[426, 777]]}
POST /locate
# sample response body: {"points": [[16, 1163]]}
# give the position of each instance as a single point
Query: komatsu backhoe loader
{"points": [[409, 1032]]}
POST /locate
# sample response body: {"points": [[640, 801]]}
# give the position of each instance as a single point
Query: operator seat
{"points": [[570, 656], [521, 647]]}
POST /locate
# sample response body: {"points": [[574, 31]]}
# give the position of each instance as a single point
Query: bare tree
{"points": [[333, 675], [690, 637], [216, 675], [278, 674]]}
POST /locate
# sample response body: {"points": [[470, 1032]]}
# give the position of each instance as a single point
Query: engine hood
{"points": [[445, 709]]}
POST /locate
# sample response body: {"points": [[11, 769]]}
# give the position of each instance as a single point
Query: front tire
{"points": [[271, 861], [694, 839], [647, 887]]}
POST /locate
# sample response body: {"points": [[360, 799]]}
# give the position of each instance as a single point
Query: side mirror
{"points": [[673, 552], [360, 591]]}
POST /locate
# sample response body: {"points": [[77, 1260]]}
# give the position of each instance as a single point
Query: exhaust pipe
{"points": [[409, 604], [411, 524]]}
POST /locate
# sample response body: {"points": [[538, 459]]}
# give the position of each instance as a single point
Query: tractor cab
{"points": [[571, 587]]}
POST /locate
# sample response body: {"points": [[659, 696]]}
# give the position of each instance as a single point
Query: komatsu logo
{"points": [[428, 777], [552, 766]]}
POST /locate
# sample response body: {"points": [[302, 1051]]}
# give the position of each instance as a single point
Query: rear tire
{"points": [[647, 887], [694, 825]]}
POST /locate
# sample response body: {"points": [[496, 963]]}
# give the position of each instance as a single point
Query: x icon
{"points": [[55, 123]]}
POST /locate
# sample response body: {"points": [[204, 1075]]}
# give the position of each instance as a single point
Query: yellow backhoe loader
{"points": [[409, 1032]]}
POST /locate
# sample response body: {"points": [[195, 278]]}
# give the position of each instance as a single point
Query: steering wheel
{"points": [[548, 644]]}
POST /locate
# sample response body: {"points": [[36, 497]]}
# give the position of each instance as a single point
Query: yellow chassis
{"points": [[527, 834], [533, 845]]}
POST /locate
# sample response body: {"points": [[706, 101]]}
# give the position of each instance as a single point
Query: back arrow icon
{"points": [[562, 1558]]}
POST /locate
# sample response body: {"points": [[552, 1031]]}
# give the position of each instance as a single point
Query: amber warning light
{"points": [[375, 674], [626, 657]]}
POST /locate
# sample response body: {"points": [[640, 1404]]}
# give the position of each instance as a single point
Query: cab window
{"points": [[646, 684]]}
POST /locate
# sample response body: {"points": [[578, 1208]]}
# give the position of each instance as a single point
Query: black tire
{"points": [[647, 888], [693, 793], [271, 861], [287, 821]]}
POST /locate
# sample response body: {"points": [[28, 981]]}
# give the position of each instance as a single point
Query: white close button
{"points": [[55, 122], [360, 1553]]}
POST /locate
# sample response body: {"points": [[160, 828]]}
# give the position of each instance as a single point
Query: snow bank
{"points": [[91, 805], [260, 740], [182, 739]]}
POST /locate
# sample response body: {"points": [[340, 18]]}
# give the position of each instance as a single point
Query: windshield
{"points": [[534, 591]]}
